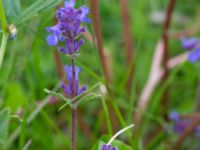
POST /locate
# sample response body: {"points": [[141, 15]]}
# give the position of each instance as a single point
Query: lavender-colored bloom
{"points": [[181, 124], [108, 147], [174, 116], [52, 40], [189, 43], [69, 28], [71, 3], [193, 45], [194, 55], [197, 131], [68, 89]]}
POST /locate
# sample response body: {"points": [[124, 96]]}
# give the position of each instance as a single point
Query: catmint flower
{"points": [[108, 147], [69, 28], [194, 55], [68, 89], [181, 124], [197, 131], [189, 43], [174, 116], [193, 45]]}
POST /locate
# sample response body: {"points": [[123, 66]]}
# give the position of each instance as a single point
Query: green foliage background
{"points": [[29, 67]]}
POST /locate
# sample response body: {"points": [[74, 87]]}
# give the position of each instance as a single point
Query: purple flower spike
{"points": [[68, 89], [69, 27], [108, 147], [190, 43]]}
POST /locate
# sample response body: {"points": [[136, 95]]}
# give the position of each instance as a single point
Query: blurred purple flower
{"points": [[174, 116], [181, 124], [189, 43], [68, 89], [69, 28], [52, 40], [193, 45], [197, 131], [108, 147], [71, 3], [194, 55]]}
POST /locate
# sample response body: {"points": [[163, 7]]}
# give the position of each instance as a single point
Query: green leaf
{"points": [[59, 95], [37, 7], [104, 139], [4, 125], [3, 17], [12, 8], [79, 97]]}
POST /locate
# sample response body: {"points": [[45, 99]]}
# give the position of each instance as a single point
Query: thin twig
{"points": [[128, 41], [59, 65], [177, 60], [189, 31], [106, 64], [154, 78], [191, 116], [120, 132], [127, 30], [165, 38], [84, 127]]}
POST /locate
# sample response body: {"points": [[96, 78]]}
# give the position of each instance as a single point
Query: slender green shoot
{"points": [[118, 133], [105, 108]]}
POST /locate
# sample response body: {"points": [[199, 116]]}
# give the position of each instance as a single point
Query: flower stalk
{"points": [[74, 112], [68, 30]]}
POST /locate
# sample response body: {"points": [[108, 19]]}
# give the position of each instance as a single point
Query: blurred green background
{"points": [[29, 67]]}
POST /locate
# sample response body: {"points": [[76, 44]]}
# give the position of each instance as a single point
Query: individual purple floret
{"points": [[194, 55], [108, 147], [68, 29], [190, 43], [193, 45], [68, 89]]}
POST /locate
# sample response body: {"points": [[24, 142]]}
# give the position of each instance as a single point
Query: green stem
{"points": [[3, 47], [119, 115], [4, 29], [107, 117], [3, 17]]}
